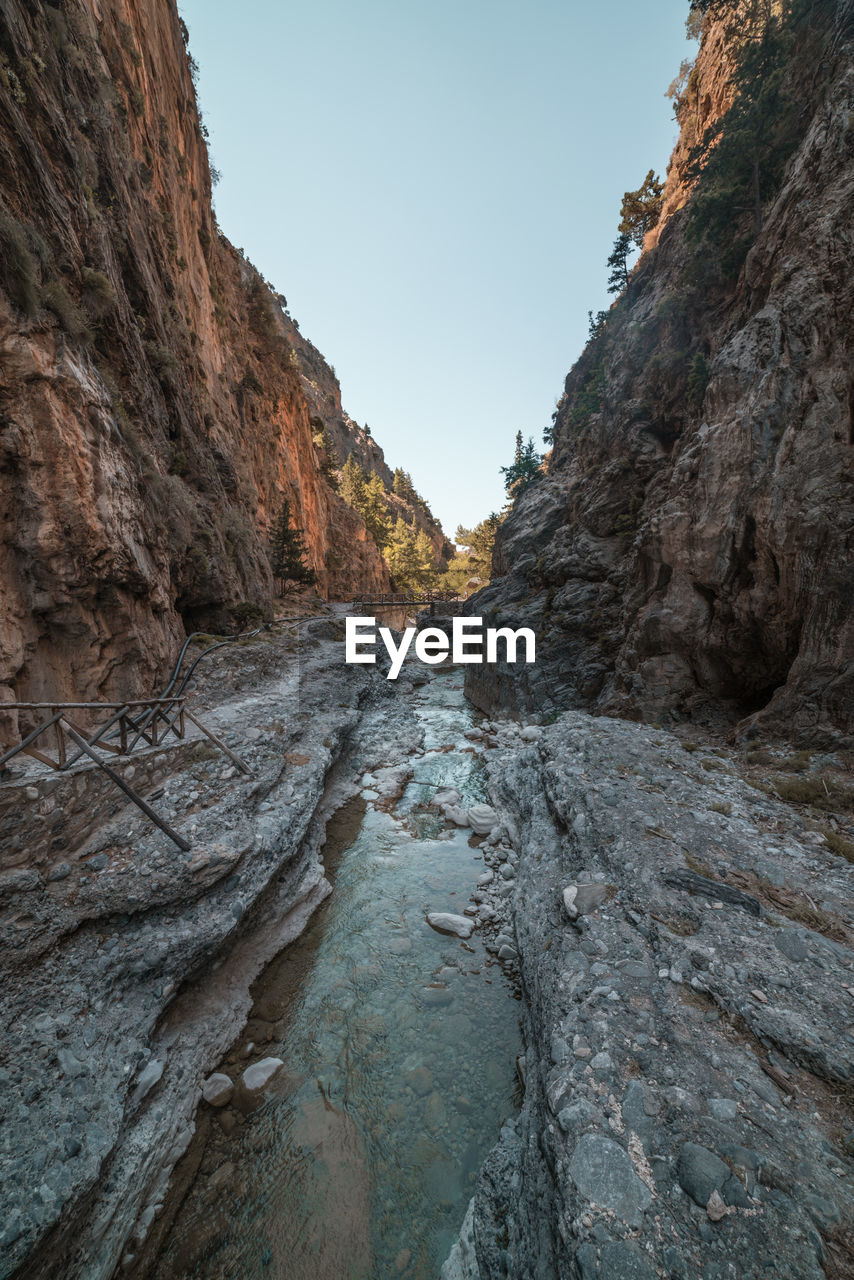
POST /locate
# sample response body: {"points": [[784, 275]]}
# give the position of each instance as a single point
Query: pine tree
{"points": [[739, 162], [478, 544], [401, 555], [327, 458], [641, 209], [618, 262], [596, 324], [523, 470], [353, 480], [410, 558], [288, 552], [374, 511], [425, 567]]}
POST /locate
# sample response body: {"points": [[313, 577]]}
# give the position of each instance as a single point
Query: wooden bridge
{"points": [[392, 599]]}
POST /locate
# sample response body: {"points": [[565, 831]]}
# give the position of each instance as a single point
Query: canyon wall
{"points": [[689, 554], [153, 409], [348, 439]]}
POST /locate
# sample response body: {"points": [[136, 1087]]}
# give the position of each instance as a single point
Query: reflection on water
{"points": [[399, 1048]]}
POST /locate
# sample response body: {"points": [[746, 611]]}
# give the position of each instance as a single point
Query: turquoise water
{"points": [[400, 1048]]}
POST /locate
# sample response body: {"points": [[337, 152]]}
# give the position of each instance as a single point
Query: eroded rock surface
{"points": [[157, 401], [127, 977], [689, 1038]]}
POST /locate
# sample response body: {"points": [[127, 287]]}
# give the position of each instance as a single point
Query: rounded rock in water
{"points": [[445, 922], [259, 1075], [482, 818]]}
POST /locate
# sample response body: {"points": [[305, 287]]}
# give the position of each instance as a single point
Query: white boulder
{"points": [[445, 922], [259, 1075], [482, 818], [217, 1089]]}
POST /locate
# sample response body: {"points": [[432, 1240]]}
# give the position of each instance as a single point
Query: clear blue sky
{"points": [[435, 188]]}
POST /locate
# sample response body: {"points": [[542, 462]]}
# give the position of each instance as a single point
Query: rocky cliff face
{"points": [[348, 439], [152, 410], [689, 553]]}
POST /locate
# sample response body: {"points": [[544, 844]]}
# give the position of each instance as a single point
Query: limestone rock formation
{"points": [[689, 553], [154, 408], [348, 439], [686, 1046]]}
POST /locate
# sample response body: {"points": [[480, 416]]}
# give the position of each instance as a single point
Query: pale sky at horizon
{"points": [[435, 189]]}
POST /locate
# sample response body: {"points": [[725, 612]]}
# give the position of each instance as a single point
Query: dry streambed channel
{"points": [[399, 1046]]}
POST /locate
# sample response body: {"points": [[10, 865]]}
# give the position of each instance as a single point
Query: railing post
{"points": [[124, 786], [60, 740], [244, 768]]}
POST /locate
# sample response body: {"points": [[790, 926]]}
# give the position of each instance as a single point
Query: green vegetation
{"points": [[18, 264], [410, 558], [588, 399], [99, 297], [738, 163], [288, 552], [474, 556], [246, 615], [639, 213], [822, 791], [28, 276], [618, 262], [409, 553], [698, 380], [403, 487], [251, 382], [374, 511], [163, 362], [641, 209], [352, 485], [55, 297], [526, 467], [838, 844], [327, 458]]}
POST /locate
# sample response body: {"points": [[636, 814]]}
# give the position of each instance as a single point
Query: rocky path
{"points": [[684, 942]]}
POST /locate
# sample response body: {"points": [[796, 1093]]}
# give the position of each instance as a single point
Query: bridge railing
{"points": [[144, 723], [392, 598]]}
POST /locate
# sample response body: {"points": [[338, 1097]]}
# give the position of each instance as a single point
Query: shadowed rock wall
{"points": [[690, 553]]}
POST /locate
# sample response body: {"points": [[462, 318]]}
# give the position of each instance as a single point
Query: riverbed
{"points": [[399, 1046]]}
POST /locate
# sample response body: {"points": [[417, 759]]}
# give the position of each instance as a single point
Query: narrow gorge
{"points": [[530, 969]]}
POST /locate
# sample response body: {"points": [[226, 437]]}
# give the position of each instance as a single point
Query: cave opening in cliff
{"points": [[749, 703]]}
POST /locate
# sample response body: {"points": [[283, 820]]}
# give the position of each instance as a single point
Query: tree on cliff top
{"points": [[641, 209], [619, 263], [288, 552], [523, 470]]}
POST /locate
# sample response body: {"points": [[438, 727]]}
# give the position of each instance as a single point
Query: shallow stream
{"points": [[399, 1047]]}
